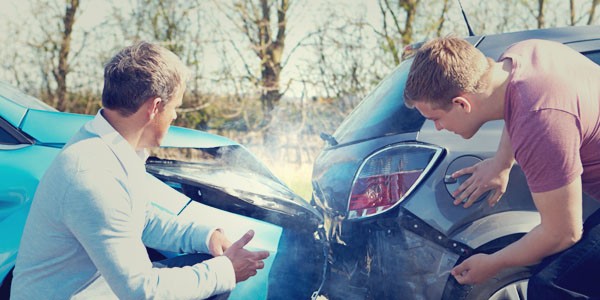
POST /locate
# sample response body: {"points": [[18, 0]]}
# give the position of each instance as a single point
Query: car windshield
{"points": [[382, 112], [13, 94]]}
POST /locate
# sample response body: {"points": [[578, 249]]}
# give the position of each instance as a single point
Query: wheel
{"points": [[515, 290], [509, 284]]}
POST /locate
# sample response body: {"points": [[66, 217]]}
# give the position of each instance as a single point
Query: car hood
{"points": [[56, 128], [232, 178]]}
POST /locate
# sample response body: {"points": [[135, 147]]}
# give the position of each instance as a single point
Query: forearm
{"points": [[171, 233], [560, 227], [532, 248], [505, 154]]}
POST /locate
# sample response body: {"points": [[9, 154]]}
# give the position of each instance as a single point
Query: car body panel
{"points": [[11, 111], [287, 224], [266, 238], [434, 204], [335, 168], [494, 45], [52, 134], [180, 137], [493, 227], [266, 235], [17, 186], [15, 104], [12, 227], [70, 123]]}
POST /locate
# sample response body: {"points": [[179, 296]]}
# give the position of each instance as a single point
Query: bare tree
{"points": [[178, 25], [264, 24], [404, 20], [572, 12], [390, 18], [540, 16], [592, 11], [62, 68], [575, 19], [53, 47]]}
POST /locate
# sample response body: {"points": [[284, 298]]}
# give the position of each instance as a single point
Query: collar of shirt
{"points": [[133, 161]]}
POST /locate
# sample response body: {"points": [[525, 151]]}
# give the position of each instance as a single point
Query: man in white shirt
{"points": [[91, 219]]}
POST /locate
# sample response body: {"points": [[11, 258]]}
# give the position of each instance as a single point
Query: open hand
{"points": [[489, 174], [245, 263]]}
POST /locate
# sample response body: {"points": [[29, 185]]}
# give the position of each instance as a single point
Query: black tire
{"points": [[510, 284]]}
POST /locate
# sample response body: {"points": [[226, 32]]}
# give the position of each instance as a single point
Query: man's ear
{"points": [[153, 107], [463, 103]]}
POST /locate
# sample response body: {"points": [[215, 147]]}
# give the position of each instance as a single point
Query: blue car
{"points": [[217, 181]]}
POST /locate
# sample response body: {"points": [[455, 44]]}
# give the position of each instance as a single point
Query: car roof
{"points": [[494, 45]]}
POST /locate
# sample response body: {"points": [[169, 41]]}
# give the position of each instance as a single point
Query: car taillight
{"points": [[387, 177]]}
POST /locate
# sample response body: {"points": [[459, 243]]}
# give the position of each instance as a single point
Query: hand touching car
{"points": [[490, 174], [476, 269]]}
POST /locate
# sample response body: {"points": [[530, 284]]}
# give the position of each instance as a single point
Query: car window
{"points": [[382, 112], [594, 56], [5, 137], [13, 94]]}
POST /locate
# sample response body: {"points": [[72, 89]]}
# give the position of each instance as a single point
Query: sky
{"points": [[306, 18], [94, 12]]}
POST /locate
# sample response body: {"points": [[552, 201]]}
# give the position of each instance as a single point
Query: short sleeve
{"points": [[546, 145]]}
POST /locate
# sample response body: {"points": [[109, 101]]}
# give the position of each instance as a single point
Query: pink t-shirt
{"points": [[552, 114]]}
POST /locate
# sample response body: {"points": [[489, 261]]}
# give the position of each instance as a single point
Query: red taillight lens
{"points": [[387, 177]]}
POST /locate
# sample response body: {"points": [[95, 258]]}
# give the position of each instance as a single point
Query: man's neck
{"points": [[494, 96], [127, 127]]}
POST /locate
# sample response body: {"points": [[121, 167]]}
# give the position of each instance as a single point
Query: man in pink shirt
{"points": [[549, 97]]}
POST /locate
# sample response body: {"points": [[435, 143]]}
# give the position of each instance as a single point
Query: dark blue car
{"points": [[384, 188]]}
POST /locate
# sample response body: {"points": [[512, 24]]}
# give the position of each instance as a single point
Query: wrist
{"points": [[500, 261], [504, 163]]}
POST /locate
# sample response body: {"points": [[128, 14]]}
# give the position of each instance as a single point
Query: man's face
{"points": [[166, 114], [457, 120]]}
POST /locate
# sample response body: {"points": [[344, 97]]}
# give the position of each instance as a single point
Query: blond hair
{"points": [[445, 68]]}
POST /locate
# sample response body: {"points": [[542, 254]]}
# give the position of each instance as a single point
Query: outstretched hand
{"points": [[245, 263], [487, 175]]}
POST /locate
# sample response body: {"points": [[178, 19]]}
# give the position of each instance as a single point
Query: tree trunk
{"points": [[592, 11], [256, 24], [62, 68], [540, 16], [271, 52], [572, 12]]}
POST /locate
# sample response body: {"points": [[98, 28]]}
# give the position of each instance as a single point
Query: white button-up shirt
{"points": [[89, 223]]}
